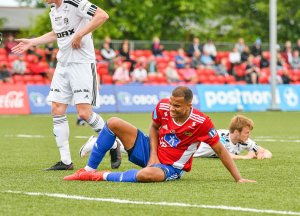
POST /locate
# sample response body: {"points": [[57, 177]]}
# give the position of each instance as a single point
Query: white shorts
{"points": [[75, 84], [205, 151]]}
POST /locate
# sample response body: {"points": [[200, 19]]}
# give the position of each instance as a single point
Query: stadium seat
{"points": [[3, 51], [18, 79], [106, 79], [3, 57]]}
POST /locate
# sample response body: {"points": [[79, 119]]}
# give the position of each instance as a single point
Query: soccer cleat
{"points": [[80, 122], [115, 156], [87, 147], [84, 175], [75, 176], [61, 166]]}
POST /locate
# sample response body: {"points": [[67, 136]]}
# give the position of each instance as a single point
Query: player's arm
{"points": [[228, 162], [97, 20], [250, 155], [24, 44], [154, 139]]}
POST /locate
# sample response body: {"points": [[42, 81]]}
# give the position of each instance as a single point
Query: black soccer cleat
{"points": [[115, 156], [61, 166], [80, 122]]}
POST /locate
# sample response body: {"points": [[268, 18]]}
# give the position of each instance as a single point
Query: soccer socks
{"points": [[96, 122], [104, 142], [128, 176], [61, 133]]}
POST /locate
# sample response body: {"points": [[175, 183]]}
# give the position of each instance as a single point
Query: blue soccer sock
{"points": [[104, 143], [128, 176]]}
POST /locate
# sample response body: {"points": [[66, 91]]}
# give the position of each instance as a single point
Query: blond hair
{"points": [[238, 122]]}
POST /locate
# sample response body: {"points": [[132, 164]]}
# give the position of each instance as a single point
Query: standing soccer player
{"points": [[175, 134], [75, 77]]}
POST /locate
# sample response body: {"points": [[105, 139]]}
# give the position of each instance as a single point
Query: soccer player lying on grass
{"points": [[236, 140], [176, 131]]}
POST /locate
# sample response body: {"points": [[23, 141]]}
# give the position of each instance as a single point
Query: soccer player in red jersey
{"points": [[176, 131]]}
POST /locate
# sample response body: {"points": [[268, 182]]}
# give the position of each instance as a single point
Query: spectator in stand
{"points": [[172, 74], [256, 49], [207, 60], [298, 45], [196, 60], [19, 66], [189, 74], [245, 54], [107, 39], [49, 52], [234, 58], [221, 69], [109, 55], [124, 53], [285, 77], [281, 64], [295, 60], [32, 51], [139, 74], [121, 75], [157, 48], [211, 49], [5, 75], [240, 45], [288, 52], [252, 71], [195, 46], [10, 43], [264, 62], [180, 59], [152, 65]]}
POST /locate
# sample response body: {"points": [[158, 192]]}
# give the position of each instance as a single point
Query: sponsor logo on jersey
{"points": [[65, 33], [188, 133], [212, 132], [172, 140]]}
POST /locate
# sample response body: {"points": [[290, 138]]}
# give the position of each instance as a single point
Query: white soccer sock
{"points": [[96, 122], [61, 133]]}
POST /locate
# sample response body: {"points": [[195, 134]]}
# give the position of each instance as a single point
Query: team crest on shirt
{"points": [[66, 21], [172, 140]]}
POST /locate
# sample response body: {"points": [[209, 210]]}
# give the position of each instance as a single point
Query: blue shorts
{"points": [[140, 154]]}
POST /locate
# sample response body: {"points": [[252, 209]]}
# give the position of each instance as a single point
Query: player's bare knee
{"points": [[84, 115], [147, 175], [113, 123]]}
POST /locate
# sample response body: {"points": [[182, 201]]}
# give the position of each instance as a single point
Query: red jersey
{"points": [[178, 143]]}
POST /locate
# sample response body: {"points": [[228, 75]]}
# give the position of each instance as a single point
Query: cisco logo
{"points": [[291, 97], [128, 99], [38, 99]]}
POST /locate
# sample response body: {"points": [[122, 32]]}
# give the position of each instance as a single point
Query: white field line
{"points": [[122, 201], [258, 139], [40, 136]]}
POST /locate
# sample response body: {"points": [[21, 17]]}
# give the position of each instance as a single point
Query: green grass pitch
{"points": [[28, 146]]}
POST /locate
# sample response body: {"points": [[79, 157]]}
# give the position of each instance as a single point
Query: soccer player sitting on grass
{"points": [[236, 140], [176, 131]]}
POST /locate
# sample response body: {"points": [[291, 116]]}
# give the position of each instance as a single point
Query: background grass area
{"points": [[22, 161]]}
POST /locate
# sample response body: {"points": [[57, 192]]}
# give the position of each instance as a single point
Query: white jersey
{"points": [[205, 150], [69, 18]]}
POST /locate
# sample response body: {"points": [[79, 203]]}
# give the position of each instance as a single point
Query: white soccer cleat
{"points": [[87, 147]]}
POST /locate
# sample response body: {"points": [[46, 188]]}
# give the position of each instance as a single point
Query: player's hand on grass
{"points": [[245, 181]]}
